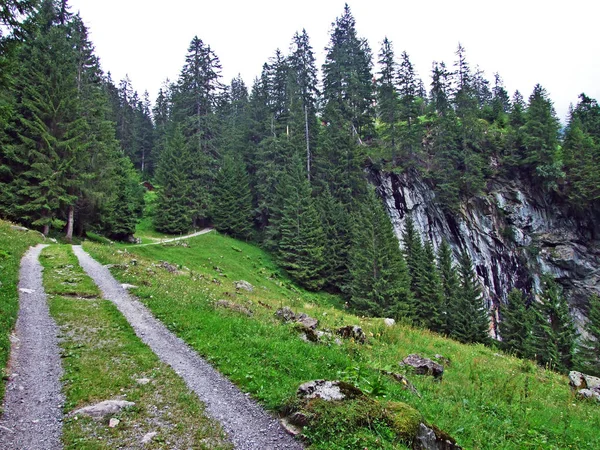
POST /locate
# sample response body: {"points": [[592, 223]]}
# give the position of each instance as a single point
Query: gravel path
{"points": [[249, 427], [187, 236], [33, 402]]}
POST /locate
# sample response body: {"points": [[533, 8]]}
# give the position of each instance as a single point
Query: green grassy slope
{"points": [[13, 244], [486, 399]]}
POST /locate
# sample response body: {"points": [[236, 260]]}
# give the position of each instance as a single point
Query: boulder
{"points": [[285, 314], [423, 366], [307, 321], [244, 285], [328, 390], [168, 267], [583, 381], [431, 438], [352, 332], [389, 322], [103, 409], [307, 333], [148, 437], [589, 393]]}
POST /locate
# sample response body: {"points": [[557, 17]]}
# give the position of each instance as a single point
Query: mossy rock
{"points": [[403, 419]]}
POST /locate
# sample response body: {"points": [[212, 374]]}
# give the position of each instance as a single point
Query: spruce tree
{"points": [[337, 228], [387, 96], [516, 325], [430, 291], [413, 252], [232, 206], [541, 139], [450, 285], [301, 244], [473, 324], [347, 77], [379, 281], [588, 355], [173, 214], [410, 132], [553, 330]]}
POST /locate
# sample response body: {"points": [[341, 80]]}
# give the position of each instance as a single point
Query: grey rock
{"points": [[290, 428], [168, 267], [513, 234], [285, 314], [18, 228], [128, 286], [103, 409], [148, 437], [113, 423], [143, 381], [423, 366], [307, 321], [389, 322], [352, 332], [244, 285], [429, 438], [328, 390], [589, 393], [581, 380]]}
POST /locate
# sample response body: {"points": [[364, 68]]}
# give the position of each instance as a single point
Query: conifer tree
{"points": [[173, 214], [450, 285], [413, 252], [387, 95], [336, 226], [516, 325], [473, 324], [553, 330], [232, 206], [347, 77], [301, 244], [588, 355], [410, 133], [430, 291], [540, 139], [379, 281]]}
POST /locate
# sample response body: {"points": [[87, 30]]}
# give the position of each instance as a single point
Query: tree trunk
{"points": [[46, 230], [70, 220], [307, 141]]}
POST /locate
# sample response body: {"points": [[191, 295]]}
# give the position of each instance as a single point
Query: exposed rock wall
{"points": [[512, 234]]}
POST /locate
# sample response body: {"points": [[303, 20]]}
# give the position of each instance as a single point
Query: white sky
{"points": [[549, 42]]}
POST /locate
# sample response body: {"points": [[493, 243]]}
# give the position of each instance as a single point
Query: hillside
{"points": [[486, 399]]}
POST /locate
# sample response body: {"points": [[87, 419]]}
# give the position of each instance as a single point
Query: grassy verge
{"points": [[486, 399], [13, 244], [103, 359]]}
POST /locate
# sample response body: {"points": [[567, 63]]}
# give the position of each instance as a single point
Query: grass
{"points": [[103, 359], [13, 245], [486, 399]]}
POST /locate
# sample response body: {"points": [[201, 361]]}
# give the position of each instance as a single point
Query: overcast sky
{"points": [[552, 43]]}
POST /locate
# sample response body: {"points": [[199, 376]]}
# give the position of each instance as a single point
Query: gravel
{"points": [[248, 426], [33, 402]]}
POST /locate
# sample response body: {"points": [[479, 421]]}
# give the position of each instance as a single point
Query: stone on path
{"points": [[103, 409]]}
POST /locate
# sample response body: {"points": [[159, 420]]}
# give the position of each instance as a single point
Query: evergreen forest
{"points": [[284, 163]]}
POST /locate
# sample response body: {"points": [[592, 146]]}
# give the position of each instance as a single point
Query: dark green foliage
{"points": [[173, 213], [232, 206], [387, 96], [543, 158], [450, 286], [379, 281], [553, 329], [582, 153], [516, 325], [413, 252], [300, 247], [472, 323], [347, 78], [431, 307], [336, 226], [588, 355]]}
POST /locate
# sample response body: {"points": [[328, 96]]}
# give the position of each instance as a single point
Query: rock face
{"points": [[423, 366], [513, 234]]}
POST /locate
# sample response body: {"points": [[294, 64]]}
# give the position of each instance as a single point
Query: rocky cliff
{"points": [[513, 235]]}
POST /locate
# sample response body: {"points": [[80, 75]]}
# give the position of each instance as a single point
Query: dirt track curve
{"points": [[248, 426]]}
